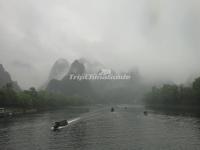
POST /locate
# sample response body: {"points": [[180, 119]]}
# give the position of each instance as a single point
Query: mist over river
{"points": [[99, 129]]}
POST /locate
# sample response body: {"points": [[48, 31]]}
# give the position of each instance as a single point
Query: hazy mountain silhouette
{"points": [[126, 91], [72, 87], [5, 78], [90, 66], [59, 69]]}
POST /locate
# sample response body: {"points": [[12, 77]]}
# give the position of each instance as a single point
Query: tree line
{"points": [[174, 95], [36, 99]]}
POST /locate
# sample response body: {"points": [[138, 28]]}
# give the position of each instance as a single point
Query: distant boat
{"points": [[112, 109], [60, 124], [145, 113]]}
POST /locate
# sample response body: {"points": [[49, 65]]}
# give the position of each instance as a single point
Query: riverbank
{"points": [[11, 112], [190, 110]]}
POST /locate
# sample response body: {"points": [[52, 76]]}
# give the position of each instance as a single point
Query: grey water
{"points": [[99, 129]]}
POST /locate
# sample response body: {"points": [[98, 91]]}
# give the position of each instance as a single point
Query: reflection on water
{"points": [[99, 129]]}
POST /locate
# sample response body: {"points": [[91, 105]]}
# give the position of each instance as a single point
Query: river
{"points": [[96, 128]]}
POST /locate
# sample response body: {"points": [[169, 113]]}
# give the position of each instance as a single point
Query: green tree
{"points": [[10, 96], [196, 84], [24, 100]]}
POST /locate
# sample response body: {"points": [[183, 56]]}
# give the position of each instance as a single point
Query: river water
{"points": [[96, 128]]}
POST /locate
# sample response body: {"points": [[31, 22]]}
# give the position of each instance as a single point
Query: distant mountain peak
{"points": [[61, 61], [77, 68], [59, 69], [91, 66], [5, 78]]}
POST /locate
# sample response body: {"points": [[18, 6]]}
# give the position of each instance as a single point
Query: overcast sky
{"points": [[159, 37]]}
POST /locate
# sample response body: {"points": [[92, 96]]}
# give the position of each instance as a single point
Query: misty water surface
{"points": [[101, 129]]}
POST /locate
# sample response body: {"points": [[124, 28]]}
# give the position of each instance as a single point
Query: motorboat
{"points": [[60, 124]]}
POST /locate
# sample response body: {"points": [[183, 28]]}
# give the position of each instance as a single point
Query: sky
{"points": [[159, 37]]}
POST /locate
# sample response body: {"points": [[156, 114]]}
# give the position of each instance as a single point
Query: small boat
{"points": [[60, 124], [145, 113], [112, 109]]}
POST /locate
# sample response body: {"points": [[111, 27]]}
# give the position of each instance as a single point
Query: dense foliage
{"points": [[36, 99], [173, 95]]}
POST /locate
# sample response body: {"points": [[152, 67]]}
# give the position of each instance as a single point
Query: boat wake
{"points": [[73, 120]]}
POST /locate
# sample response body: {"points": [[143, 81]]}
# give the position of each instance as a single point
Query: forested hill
{"points": [[175, 96]]}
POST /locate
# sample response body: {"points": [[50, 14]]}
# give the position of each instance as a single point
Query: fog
{"points": [[159, 37]]}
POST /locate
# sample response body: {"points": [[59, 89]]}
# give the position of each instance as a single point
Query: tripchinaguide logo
{"points": [[103, 74]]}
